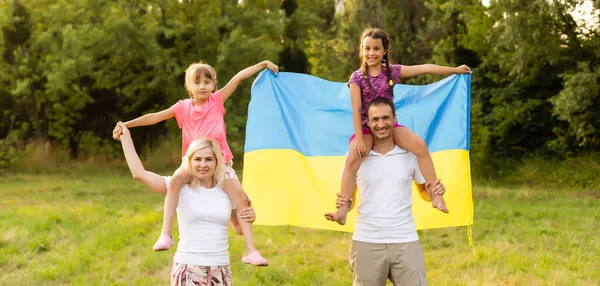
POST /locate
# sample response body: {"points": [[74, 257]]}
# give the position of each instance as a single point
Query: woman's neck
{"points": [[207, 183]]}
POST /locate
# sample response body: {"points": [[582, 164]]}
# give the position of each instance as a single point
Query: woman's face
{"points": [[204, 164]]}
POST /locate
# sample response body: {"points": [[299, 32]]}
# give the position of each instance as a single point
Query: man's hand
{"points": [[437, 187], [342, 200]]}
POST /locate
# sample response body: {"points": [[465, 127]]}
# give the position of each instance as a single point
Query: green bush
{"points": [[8, 154], [574, 172]]}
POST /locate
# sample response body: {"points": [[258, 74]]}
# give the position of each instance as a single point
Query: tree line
{"points": [[70, 69]]}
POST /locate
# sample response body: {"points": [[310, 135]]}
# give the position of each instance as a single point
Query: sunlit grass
{"points": [[98, 229]]}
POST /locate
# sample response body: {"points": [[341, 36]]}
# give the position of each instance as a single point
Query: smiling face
{"points": [[372, 51], [203, 163], [200, 81], [201, 88], [381, 121]]}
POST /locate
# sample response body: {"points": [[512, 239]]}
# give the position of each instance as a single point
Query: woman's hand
{"points": [[117, 131], [247, 214], [120, 130]]}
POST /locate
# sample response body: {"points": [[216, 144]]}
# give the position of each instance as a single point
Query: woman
{"points": [[203, 212]]}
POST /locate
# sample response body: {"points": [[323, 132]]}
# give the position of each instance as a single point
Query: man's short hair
{"points": [[381, 101]]}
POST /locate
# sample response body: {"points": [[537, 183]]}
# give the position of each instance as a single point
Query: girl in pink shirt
{"points": [[376, 78], [202, 115]]}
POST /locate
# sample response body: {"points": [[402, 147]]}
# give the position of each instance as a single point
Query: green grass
{"points": [[98, 229]]}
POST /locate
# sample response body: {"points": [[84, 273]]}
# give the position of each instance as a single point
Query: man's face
{"points": [[381, 121]]}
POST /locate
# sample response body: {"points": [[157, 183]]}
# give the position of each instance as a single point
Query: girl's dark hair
{"points": [[376, 33]]}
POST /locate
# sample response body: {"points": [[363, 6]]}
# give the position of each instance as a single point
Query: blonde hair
{"points": [[195, 71], [197, 145]]}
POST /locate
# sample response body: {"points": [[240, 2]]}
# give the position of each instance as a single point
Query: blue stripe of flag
{"points": [[313, 116]]}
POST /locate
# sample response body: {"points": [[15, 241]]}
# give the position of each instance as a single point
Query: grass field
{"points": [[98, 229]]}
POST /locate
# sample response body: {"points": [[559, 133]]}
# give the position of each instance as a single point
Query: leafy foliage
{"points": [[70, 70]]}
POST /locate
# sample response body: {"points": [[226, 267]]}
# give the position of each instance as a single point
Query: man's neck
{"points": [[383, 146]]}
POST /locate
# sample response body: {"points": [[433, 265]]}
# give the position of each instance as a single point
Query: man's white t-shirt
{"points": [[203, 217], [385, 194]]}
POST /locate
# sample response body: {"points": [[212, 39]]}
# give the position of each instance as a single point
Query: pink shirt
{"points": [[205, 120]]}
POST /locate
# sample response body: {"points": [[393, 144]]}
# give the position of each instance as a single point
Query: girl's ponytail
{"points": [[365, 68], [390, 80]]}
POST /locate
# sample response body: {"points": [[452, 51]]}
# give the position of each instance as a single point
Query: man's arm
{"points": [[423, 192]]}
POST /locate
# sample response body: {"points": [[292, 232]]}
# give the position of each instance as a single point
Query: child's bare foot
{"points": [[338, 216], [438, 203]]}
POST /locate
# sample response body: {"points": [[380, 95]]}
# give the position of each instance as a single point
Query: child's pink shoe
{"points": [[254, 258], [164, 242]]}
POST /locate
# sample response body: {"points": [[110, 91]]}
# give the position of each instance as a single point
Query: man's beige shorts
{"points": [[373, 263]]}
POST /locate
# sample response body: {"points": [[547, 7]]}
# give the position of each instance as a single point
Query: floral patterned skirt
{"points": [[192, 275]]}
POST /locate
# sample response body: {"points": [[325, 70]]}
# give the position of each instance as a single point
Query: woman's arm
{"points": [[230, 87], [151, 118], [410, 71], [246, 214], [235, 224], [154, 181]]}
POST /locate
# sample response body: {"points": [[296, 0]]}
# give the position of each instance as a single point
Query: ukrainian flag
{"points": [[297, 136]]}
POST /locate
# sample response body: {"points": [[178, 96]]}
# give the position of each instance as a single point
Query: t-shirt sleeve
{"points": [[417, 176], [396, 69], [218, 101], [177, 108], [356, 78]]}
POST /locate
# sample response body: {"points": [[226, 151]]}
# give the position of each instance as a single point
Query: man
{"points": [[385, 243]]}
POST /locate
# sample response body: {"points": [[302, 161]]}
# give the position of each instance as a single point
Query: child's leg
{"points": [[351, 166], [410, 141], [178, 180], [234, 190]]}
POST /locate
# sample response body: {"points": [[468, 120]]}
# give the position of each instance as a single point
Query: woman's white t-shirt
{"points": [[203, 216]]}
